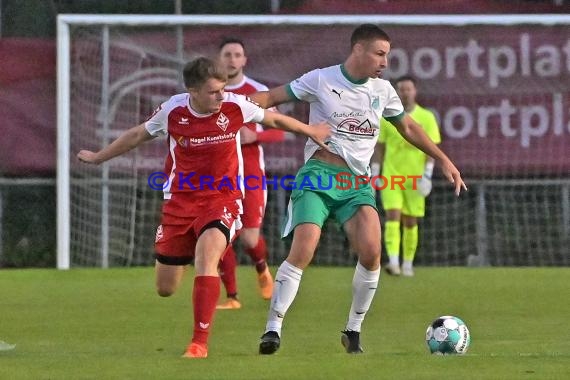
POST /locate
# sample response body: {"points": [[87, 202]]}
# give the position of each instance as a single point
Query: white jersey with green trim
{"points": [[352, 108]]}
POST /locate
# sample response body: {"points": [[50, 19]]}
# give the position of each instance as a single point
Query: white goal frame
{"points": [[64, 21]]}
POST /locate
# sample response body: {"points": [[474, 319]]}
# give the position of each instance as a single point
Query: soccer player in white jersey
{"points": [[202, 199], [232, 56], [351, 98]]}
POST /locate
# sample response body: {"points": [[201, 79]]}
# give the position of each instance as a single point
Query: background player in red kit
{"points": [[202, 199], [233, 58]]}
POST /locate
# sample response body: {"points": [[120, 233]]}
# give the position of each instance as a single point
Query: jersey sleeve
{"points": [[394, 108], [157, 124], [250, 110], [431, 127], [305, 87]]}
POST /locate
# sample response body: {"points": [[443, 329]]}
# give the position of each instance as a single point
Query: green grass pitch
{"points": [[110, 324]]}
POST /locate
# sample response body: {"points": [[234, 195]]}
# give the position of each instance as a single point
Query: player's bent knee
{"points": [[300, 259], [371, 249], [370, 257], [165, 292], [370, 265], [166, 287], [169, 271], [249, 237]]}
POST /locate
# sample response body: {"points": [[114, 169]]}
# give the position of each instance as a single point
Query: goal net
{"points": [[500, 89]]}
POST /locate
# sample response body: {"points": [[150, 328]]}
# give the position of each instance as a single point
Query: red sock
{"points": [[204, 297], [227, 269], [259, 254]]}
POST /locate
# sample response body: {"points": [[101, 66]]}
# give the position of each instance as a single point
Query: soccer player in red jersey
{"points": [[233, 58], [202, 198]]}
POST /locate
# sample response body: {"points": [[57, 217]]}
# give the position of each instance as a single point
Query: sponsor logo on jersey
{"points": [[218, 139], [184, 121], [223, 122], [355, 127], [183, 142], [375, 103], [337, 92], [350, 114]]}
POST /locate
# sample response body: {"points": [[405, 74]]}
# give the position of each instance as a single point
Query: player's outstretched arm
{"points": [[273, 97], [377, 159], [318, 133], [247, 136], [130, 139], [416, 136]]}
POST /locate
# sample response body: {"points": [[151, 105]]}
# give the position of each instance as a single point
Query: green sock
{"points": [[410, 243], [392, 239]]}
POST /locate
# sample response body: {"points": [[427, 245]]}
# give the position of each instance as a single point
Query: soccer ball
{"points": [[448, 335]]}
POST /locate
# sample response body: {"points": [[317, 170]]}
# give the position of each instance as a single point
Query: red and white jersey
{"points": [[204, 154], [254, 163]]}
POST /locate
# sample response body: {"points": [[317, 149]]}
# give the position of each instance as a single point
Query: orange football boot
{"points": [[265, 282], [229, 304], [196, 350]]}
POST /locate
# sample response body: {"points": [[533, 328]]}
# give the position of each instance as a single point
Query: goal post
{"points": [[63, 144], [499, 85]]}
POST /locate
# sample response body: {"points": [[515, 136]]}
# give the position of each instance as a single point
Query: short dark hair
{"points": [[198, 71], [231, 40], [368, 32], [404, 78]]}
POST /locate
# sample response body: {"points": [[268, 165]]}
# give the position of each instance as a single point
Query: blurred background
{"points": [[517, 209]]}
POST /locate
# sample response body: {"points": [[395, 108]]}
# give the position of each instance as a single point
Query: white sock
{"points": [[407, 264], [287, 280], [394, 260], [364, 284]]}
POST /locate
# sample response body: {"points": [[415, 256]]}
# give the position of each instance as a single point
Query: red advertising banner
{"points": [[501, 93], [27, 106]]}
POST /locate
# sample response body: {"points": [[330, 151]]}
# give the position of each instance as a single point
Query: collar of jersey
{"points": [[234, 86], [195, 113], [349, 78]]}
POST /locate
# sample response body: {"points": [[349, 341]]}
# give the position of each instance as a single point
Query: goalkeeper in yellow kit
{"points": [[400, 158]]}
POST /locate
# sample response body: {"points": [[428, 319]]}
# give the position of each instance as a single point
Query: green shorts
{"points": [[409, 200], [322, 190]]}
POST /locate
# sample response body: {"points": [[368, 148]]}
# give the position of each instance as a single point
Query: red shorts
{"points": [[175, 243], [254, 207]]}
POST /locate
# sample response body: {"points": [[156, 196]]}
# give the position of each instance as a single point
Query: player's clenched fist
{"points": [[88, 157]]}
